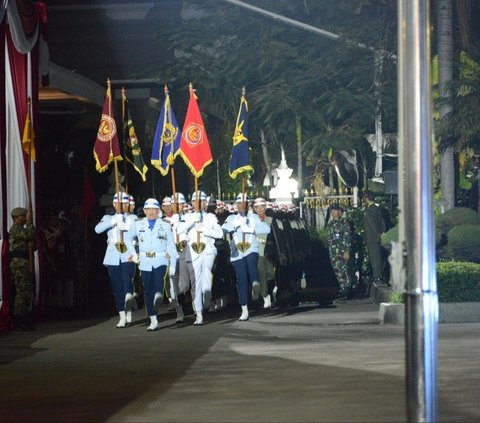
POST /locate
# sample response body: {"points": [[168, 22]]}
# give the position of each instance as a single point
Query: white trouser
{"points": [[202, 267]]}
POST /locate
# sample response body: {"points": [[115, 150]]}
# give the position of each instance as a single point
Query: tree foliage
{"points": [[288, 72]]}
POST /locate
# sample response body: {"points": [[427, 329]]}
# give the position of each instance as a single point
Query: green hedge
{"points": [[464, 243], [456, 216], [458, 282]]}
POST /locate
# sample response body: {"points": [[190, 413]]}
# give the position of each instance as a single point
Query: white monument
{"points": [[286, 188]]}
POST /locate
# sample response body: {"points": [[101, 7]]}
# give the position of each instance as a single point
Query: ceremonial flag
{"points": [[167, 138], [28, 138], [239, 160], [194, 147], [133, 153], [106, 147]]}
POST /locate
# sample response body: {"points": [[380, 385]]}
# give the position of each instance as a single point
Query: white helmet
{"points": [[123, 196], [167, 201], [151, 203], [180, 198], [242, 197], [259, 202], [201, 194]]}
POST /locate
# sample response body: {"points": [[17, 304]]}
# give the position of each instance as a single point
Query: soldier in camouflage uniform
{"points": [[339, 244], [21, 238]]}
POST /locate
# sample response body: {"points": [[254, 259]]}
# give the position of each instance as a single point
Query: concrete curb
{"points": [[468, 312]]}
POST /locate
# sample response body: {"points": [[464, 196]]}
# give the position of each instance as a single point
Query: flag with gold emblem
{"points": [[167, 138], [239, 159], [106, 148], [133, 152], [28, 138], [194, 146]]}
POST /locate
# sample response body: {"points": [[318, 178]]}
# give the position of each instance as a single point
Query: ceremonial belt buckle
{"points": [[243, 246], [181, 246], [150, 254]]}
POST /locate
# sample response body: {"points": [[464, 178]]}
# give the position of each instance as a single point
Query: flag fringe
{"points": [[191, 167]]}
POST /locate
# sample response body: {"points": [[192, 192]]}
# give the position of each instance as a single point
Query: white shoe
{"points": [[129, 318], [122, 323], [267, 303], [128, 301], [180, 316], [157, 302], [274, 294], [255, 291], [199, 319], [153, 324], [244, 316]]}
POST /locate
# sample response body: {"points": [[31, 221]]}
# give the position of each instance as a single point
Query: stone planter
{"points": [[467, 312]]}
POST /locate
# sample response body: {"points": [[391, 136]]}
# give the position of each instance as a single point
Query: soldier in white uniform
{"points": [[266, 268], [201, 229], [173, 218], [244, 228], [157, 254], [119, 248]]}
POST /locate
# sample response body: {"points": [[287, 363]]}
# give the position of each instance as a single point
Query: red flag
{"points": [[194, 147], [106, 147]]}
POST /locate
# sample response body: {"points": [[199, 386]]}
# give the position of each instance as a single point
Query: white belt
{"points": [[153, 254]]}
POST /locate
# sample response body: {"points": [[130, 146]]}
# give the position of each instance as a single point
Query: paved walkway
{"points": [[300, 364]]}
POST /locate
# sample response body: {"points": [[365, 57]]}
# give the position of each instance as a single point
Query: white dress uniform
{"points": [[120, 270], [245, 230], [201, 228], [156, 253]]}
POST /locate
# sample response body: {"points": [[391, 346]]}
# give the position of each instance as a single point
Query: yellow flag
{"points": [[28, 138]]}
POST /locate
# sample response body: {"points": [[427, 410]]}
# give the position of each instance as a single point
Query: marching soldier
{"points": [[172, 218], [201, 229], [157, 253], [120, 246], [339, 244], [244, 228], [265, 266], [22, 238]]}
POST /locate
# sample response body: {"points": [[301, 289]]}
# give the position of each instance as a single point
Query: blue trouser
{"points": [[153, 282], [121, 277], [246, 270]]}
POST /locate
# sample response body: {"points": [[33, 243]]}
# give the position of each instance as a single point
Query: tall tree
{"points": [[445, 77]]}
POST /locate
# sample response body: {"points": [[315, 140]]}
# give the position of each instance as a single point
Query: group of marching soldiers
{"points": [[175, 251]]}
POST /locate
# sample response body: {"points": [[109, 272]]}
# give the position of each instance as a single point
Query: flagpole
{"points": [[117, 180], [29, 189], [197, 206], [125, 171]]}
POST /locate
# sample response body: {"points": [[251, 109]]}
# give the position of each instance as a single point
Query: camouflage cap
{"points": [[18, 211]]}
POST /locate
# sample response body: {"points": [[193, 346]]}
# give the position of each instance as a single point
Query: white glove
{"points": [[135, 258], [116, 219], [198, 217], [171, 272], [198, 227], [123, 226], [239, 221], [247, 229]]}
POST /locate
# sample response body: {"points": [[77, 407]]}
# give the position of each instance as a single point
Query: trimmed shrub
{"points": [[456, 216], [464, 243], [387, 237], [397, 297], [458, 282]]}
